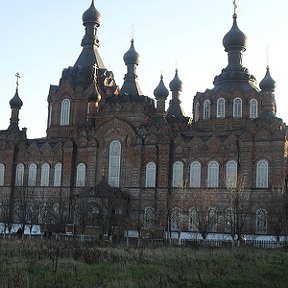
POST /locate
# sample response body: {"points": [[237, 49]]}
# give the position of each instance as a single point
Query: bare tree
{"points": [[5, 216]]}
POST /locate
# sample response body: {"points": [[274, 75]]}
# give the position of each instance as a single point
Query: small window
{"points": [[2, 174], [262, 174], [221, 108], [192, 220], [175, 219], [253, 108], [206, 109], [45, 171], [213, 174], [237, 108], [114, 163], [231, 174], [150, 175], [149, 217], [57, 174], [65, 112], [195, 174], [197, 112], [32, 174], [80, 175], [177, 180], [261, 221], [19, 178]]}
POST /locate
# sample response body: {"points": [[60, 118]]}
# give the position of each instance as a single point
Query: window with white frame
{"points": [[57, 174], [261, 221], [45, 171], [192, 220], [177, 179], [175, 219], [195, 174], [80, 175], [206, 109], [229, 220], [32, 174], [19, 177], [197, 112], [213, 174], [2, 174], [253, 108], [212, 219], [114, 163], [262, 167], [149, 217], [221, 108], [231, 174], [237, 108], [65, 112], [150, 175]]}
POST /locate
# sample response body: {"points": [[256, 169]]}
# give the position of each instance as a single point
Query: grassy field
{"points": [[86, 264]]}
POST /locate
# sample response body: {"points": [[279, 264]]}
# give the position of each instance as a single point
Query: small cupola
{"points": [[176, 83], [131, 56], [92, 15], [161, 93], [268, 83]]}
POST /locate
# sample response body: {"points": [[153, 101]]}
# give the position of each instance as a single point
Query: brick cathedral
{"points": [[115, 159]]}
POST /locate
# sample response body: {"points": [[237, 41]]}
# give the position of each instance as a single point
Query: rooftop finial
{"points": [[132, 31], [235, 8], [267, 52], [17, 80]]}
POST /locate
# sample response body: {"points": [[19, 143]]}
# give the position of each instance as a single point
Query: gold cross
{"points": [[17, 81], [235, 6]]}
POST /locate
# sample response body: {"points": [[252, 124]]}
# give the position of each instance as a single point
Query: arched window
{"points": [[212, 219], [45, 171], [32, 174], [237, 108], [261, 221], [148, 217], [175, 219], [221, 108], [230, 220], [195, 174], [177, 180], [65, 112], [253, 108], [2, 174], [197, 112], [19, 178], [192, 220], [80, 175], [206, 109], [42, 214], [231, 174], [262, 174], [150, 175], [213, 174], [114, 163], [57, 174]]}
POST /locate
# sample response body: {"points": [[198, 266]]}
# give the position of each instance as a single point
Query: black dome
{"points": [[176, 83], [16, 102], [92, 15], [131, 56], [161, 91], [267, 83]]}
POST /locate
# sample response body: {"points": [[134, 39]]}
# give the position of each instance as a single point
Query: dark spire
{"points": [[235, 74], [90, 43], [130, 85], [175, 108], [267, 86], [161, 93], [15, 104], [268, 83]]}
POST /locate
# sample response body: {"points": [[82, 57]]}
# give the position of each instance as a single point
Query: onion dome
{"points": [[131, 56], [267, 84], [92, 15], [235, 38], [16, 102], [176, 83], [161, 91], [94, 95]]}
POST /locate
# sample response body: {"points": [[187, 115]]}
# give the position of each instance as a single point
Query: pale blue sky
{"points": [[40, 38]]}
